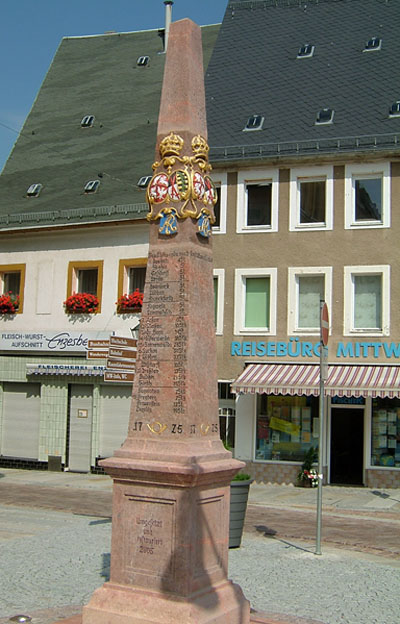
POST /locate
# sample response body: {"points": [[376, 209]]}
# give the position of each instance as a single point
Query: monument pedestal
{"points": [[169, 551], [119, 604]]}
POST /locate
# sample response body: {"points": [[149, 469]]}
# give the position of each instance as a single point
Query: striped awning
{"points": [[343, 380]]}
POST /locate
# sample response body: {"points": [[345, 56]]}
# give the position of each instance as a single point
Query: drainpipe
{"points": [[168, 16]]}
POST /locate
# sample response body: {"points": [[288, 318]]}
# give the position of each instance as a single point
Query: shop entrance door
{"points": [[347, 442]]}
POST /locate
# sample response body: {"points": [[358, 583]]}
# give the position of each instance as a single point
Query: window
{"points": [[306, 51], [287, 427], [385, 438], [143, 61], [255, 301], [257, 202], [143, 182], [219, 288], [12, 282], [394, 110], [86, 277], [220, 181], [367, 195], [92, 186], [87, 121], [366, 300], [307, 287], [325, 116], [311, 198], [375, 43], [131, 275], [255, 122], [34, 190]]}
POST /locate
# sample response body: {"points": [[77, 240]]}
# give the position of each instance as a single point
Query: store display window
{"points": [[287, 426], [385, 441]]}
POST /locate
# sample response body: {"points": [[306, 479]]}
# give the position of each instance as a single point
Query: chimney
{"points": [[168, 16]]}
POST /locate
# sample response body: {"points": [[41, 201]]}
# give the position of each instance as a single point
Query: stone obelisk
{"points": [[169, 550]]}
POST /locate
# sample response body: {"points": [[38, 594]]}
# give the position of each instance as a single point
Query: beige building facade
{"points": [[270, 254]]}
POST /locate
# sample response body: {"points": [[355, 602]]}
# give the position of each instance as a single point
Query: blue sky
{"points": [[31, 31]]}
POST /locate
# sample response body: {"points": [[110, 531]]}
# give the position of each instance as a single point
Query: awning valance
{"points": [[85, 370], [343, 380]]}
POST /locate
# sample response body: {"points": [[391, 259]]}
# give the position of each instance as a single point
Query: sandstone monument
{"points": [[169, 551]]}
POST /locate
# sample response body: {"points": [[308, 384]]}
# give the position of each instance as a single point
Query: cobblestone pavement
{"points": [[55, 544]]}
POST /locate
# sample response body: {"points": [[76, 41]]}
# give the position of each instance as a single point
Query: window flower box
{"points": [[81, 303], [9, 303], [130, 303]]}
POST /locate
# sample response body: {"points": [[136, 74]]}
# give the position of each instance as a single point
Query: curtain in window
{"points": [[311, 291], [215, 300], [87, 281], [137, 276], [12, 283], [257, 302], [367, 301]]}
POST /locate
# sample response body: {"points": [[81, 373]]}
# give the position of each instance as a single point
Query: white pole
{"points": [[168, 17]]}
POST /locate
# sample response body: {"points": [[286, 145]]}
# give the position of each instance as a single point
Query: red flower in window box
{"points": [[130, 303], [81, 303], [9, 303]]}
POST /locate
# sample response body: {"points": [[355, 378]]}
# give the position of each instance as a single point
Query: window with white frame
{"points": [[219, 287], [255, 301], [367, 195], [257, 201], [367, 300], [311, 198], [308, 286], [220, 181]]}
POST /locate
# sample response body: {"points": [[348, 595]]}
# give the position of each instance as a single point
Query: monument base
{"points": [[120, 604]]}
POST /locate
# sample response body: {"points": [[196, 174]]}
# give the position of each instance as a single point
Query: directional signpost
{"points": [[120, 353], [121, 360], [98, 349], [323, 374]]}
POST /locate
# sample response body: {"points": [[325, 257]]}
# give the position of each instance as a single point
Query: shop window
{"points": [[220, 181], [367, 300], [367, 195], [12, 283], [308, 286], [257, 202], [385, 433], [287, 427], [86, 277], [311, 198], [255, 301], [227, 412], [219, 287]]}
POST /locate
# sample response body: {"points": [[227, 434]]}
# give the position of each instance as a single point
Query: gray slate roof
{"points": [[95, 75], [254, 70]]}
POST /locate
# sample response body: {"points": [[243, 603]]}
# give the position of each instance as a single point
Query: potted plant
{"points": [[81, 303], [9, 303], [308, 476], [240, 486], [130, 303]]}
